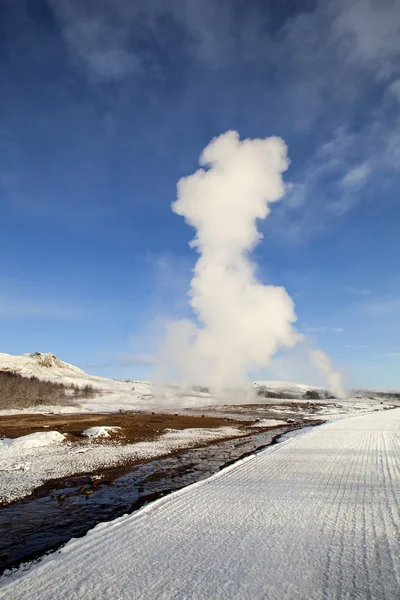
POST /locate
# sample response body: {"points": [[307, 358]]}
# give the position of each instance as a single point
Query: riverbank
{"points": [[65, 508]]}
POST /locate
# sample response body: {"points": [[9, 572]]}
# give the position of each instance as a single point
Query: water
{"points": [[62, 510]]}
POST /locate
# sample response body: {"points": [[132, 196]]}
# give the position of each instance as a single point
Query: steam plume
{"points": [[334, 379], [240, 322]]}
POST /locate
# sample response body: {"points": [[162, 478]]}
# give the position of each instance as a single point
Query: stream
{"points": [[61, 510]]}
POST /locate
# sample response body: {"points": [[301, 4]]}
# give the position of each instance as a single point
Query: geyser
{"points": [[333, 378], [239, 322]]}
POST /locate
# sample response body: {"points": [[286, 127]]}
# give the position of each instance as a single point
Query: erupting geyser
{"points": [[334, 379], [240, 322]]}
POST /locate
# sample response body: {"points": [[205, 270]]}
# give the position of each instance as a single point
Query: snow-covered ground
{"points": [[269, 423], [115, 395], [110, 395], [314, 517], [28, 461], [100, 432]]}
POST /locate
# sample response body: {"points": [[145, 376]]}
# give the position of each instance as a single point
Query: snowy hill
{"points": [[111, 395], [39, 364]]}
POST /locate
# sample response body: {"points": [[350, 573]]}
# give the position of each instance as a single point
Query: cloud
{"points": [[394, 90], [356, 175], [368, 30], [111, 37], [97, 35], [355, 43], [327, 187]]}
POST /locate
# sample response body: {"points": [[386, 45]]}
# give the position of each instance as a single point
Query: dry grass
{"points": [[17, 391]]}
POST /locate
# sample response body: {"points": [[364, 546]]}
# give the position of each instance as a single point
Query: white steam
{"points": [[240, 322], [334, 379]]}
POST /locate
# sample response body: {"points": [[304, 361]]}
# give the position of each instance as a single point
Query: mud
{"points": [[135, 427]]}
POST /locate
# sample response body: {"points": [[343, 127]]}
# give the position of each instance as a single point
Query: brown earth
{"points": [[136, 427]]}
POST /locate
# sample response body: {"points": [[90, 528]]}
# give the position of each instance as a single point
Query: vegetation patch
{"points": [[17, 391]]}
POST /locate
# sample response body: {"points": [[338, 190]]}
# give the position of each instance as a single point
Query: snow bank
{"points": [[269, 423], [31, 441], [100, 432]]}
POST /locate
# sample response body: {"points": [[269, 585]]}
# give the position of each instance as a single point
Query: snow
{"points": [[110, 395], [100, 431], [314, 517], [113, 395], [37, 364], [28, 442], [269, 423], [286, 386], [25, 466]]}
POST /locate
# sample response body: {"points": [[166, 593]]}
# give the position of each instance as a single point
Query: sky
{"points": [[106, 104]]}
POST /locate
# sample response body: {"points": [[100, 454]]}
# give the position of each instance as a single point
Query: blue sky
{"points": [[106, 104]]}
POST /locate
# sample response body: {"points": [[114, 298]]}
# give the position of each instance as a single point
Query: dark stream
{"points": [[62, 510]]}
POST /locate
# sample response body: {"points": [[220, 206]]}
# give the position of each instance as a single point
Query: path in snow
{"points": [[315, 517]]}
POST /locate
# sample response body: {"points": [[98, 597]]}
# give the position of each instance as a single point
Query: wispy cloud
{"points": [[356, 176], [334, 40], [369, 31], [98, 35]]}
